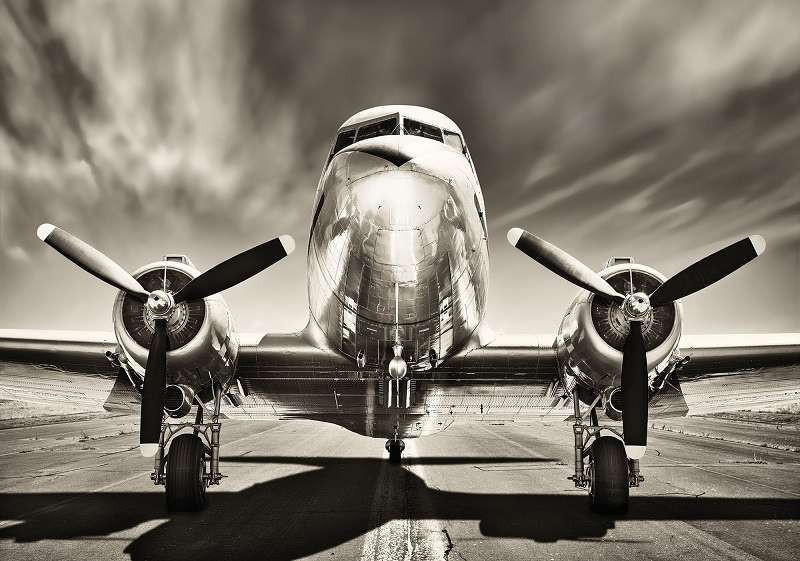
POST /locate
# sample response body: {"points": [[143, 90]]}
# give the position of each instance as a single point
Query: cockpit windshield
{"points": [[390, 125], [415, 128], [381, 128], [369, 130]]}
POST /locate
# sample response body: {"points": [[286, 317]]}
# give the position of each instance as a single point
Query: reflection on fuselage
{"points": [[398, 233]]}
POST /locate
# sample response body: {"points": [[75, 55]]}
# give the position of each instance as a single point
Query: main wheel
{"points": [[608, 476], [186, 469]]}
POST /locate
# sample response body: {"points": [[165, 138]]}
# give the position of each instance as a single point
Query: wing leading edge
{"points": [[298, 376], [734, 372]]}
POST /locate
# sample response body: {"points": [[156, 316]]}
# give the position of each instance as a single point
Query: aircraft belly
{"points": [[373, 406]]}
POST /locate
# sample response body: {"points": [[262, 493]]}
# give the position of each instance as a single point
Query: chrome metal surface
{"points": [[636, 306], [587, 357], [209, 351], [160, 303], [416, 228], [178, 399]]}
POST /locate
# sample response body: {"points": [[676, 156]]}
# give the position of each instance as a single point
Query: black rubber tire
{"points": [[608, 475], [186, 466], [395, 453]]}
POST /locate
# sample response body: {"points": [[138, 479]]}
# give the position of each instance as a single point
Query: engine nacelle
{"points": [[594, 330], [203, 343]]}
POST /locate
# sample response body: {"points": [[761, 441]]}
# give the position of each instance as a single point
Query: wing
{"points": [[735, 372], [297, 375], [496, 377], [67, 367]]}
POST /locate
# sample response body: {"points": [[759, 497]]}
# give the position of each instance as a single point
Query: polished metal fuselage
{"points": [[398, 250]]}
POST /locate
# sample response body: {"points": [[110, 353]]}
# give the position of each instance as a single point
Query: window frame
{"points": [[445, 132], [403, 128], [358, 125]]}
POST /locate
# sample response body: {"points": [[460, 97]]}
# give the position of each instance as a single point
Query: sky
{"points": [[658, 130]]}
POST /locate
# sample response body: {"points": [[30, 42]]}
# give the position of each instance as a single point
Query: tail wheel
{"points": [[186, 469], [395, 448], [608, 476]]}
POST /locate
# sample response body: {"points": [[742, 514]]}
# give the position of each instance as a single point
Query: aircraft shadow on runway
{"points": [[330, 503]]}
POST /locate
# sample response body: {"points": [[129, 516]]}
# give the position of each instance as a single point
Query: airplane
{"points": [[396, 345]]}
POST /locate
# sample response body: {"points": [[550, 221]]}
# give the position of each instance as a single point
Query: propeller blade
{"points": [[634, 392], [708, 270], [153, 391], [237, 269], [561, 263], [89, 259]]}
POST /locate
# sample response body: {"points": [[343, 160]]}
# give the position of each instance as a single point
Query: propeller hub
{"points": [[160, 304], [636, 306]]}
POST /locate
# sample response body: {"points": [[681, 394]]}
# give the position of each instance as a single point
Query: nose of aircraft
{"points": [[392, 231], [395, 149], [400, 199], [388, 190]]}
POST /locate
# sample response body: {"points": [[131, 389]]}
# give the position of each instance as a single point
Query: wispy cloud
{"points": [[634, 127]]}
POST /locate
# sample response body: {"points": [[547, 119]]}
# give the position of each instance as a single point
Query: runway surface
{"points": [[80, 490]]}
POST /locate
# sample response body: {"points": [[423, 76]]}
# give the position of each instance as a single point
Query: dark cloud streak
{"points": [[646, 128]]}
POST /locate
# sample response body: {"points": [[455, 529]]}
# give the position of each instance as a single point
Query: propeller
{"points": [[635, 307], [155, 380], [561, 263], [161, 304]]}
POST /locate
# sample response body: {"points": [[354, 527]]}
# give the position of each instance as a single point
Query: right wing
{"points": [[735, 372], [69, 367]]}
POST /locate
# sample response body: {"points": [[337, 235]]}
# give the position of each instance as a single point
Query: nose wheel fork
{"points": [[601, 465], [191, 464]]}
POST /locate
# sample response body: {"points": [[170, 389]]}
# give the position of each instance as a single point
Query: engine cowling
{"points": [[202, 341], [594, 330]]}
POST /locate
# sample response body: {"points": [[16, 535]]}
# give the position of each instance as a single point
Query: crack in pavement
{"points": [[450, 547]]}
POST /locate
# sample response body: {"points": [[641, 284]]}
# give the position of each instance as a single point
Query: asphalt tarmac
{"points": [[80, 490]]}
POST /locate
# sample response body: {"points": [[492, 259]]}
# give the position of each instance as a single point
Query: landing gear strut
{"points": [[192, 461], [601, 464], [395, 448]]}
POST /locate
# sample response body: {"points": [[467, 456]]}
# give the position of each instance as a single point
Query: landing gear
{"points": [[192, 462], [186, 474], [395, 448], [601, 465], [608, 475]]}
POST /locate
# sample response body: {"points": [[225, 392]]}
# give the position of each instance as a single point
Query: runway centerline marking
{"points": [[400, 537]]}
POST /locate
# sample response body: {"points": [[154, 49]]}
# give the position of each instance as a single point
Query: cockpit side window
{"points": [[345, 138], [370, 130], [453, 140], [415, 128], [381, 128]]}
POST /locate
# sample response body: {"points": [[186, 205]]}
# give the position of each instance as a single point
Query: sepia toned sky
{"points": [[660, 130]]}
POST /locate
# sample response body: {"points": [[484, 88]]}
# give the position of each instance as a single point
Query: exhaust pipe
{"points": [[178, 400], [614, 404]]}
